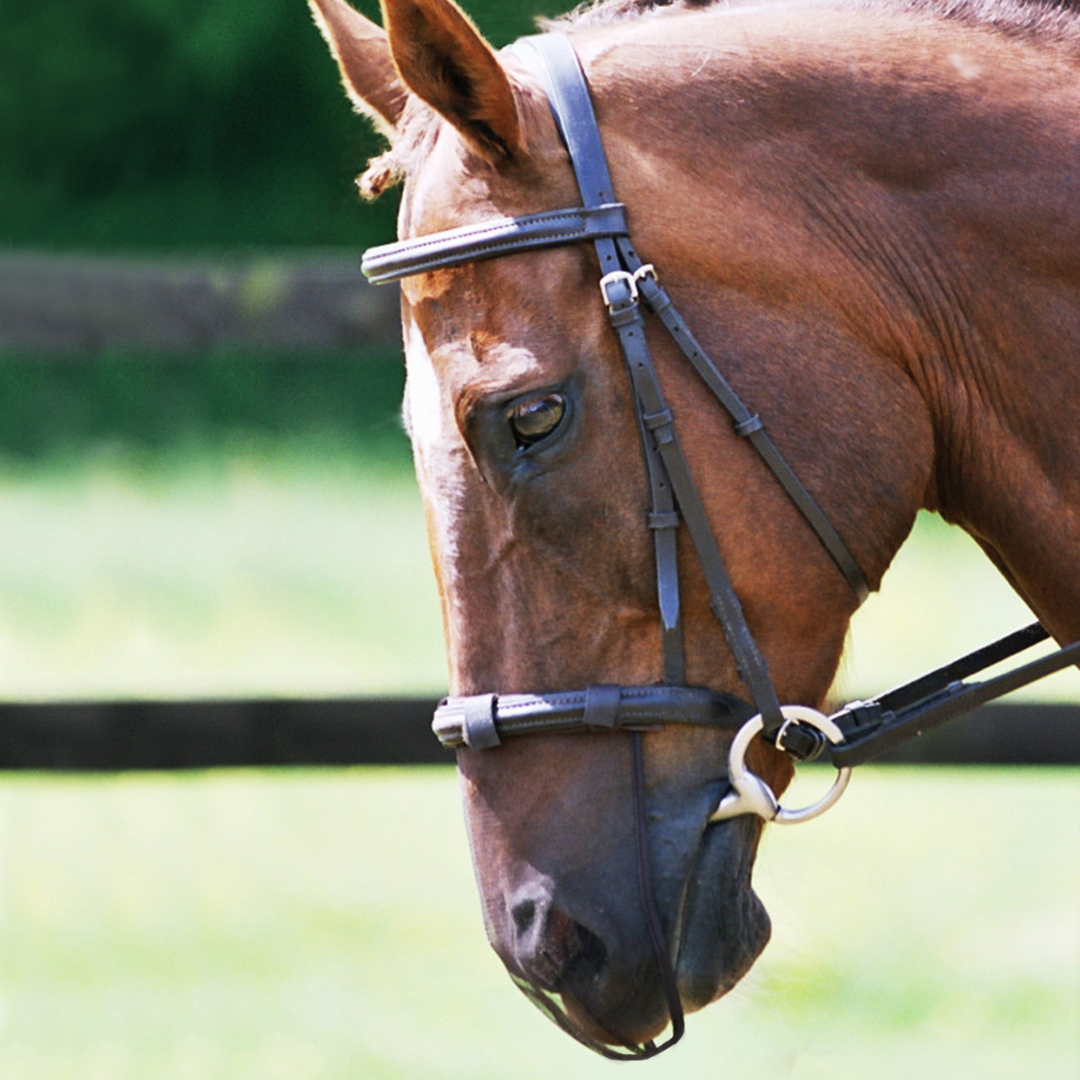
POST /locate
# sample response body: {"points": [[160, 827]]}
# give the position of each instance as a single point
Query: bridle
{"points": [[626, 285], [850, 736]]}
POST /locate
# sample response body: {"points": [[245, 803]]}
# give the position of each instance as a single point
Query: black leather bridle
{"points": [[626, 284], [854, 734]]}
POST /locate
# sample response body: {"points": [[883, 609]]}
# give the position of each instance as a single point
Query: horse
{"points": [[868, 213]]}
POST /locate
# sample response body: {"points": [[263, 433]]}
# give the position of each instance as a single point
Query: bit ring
{"points": [[751, 795]]}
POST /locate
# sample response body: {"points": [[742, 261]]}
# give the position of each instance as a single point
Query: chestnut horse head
{"points": [[869, 215]]}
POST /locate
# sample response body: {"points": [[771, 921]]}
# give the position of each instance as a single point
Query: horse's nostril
{"points": [[554, 951], [523, 914]]}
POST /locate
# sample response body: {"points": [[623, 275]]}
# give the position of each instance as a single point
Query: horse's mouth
{"points": [[717, 928], [724, 925]]}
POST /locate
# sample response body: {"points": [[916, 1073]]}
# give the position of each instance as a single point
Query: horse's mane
{"points": [[1053, 18], [1051, 22]]}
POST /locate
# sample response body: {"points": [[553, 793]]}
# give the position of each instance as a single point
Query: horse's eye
{"points": [[536, 418]]}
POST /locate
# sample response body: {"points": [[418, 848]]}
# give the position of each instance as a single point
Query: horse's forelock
{"points": [[411, 143]]}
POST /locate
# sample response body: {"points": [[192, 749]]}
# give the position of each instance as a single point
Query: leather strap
{"points": [[491, 239], [874, 726], [552, 59], [647, 893], [643, 707], [629, 324], [664, 521], [750, 426]]}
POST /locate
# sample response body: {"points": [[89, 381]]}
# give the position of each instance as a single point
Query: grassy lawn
{"points": [[312, 925], [255, 571], [285, 568]]}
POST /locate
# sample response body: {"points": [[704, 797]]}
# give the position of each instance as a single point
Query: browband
{"points": [[490, 239]]}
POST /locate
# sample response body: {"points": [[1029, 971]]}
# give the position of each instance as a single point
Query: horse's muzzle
{"points": [[568, 920]]}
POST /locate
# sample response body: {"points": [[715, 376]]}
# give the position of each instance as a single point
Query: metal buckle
{"points": [[751, 795], [630, 280], [646, 270], [623, 276]]}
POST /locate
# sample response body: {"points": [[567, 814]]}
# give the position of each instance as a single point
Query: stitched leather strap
{"points": [[563, 712], [491, 239], [552, 59], [872, 727], [629, 324], [750, 426]]}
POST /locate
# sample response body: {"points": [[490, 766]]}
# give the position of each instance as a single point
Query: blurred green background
{"points": [[141, 124], [200, 524], [235, 523], [224, 522]]}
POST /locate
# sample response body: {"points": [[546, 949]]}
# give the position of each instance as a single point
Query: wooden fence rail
{"points": [[84, 304], [104, 736]]}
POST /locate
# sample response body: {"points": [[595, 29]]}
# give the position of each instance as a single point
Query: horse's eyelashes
{"points": [[536, 418]]}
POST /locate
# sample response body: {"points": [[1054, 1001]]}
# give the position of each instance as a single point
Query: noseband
{"points": [[627, 286]]}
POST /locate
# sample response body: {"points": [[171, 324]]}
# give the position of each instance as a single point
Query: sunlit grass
{"points": [[260, 571], [264, 568], [317, 925]]}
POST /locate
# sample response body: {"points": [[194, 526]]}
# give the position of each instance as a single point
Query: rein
{"points": [[854, 734]]}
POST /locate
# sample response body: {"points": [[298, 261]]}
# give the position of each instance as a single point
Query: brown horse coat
{"points": [[870, 215]]}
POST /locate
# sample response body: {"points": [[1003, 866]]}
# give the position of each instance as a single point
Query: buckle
{"points": [[621, 277], [630, 280], [801, 741]]}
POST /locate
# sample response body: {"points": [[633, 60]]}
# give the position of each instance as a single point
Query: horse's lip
{"points": [[592, 1028], [719, 892]]}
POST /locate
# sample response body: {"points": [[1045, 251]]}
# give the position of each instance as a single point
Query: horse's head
{"points": [[529, 458]]}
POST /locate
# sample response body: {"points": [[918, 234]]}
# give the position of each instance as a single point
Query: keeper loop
{"points": [[663, 418], [480, 732], [749, 426], [667, 520], [602, 707]]}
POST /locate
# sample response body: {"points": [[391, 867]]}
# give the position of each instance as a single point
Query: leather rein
{"points": [[858, 731]]}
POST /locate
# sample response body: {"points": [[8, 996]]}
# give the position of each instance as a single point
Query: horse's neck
{"points": [[1011, 475], [1001, 370], [915, 186], [966, 200]]}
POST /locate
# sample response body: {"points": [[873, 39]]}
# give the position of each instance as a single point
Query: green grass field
{"points": [[315, 924], [312, 925], [281, 568]]}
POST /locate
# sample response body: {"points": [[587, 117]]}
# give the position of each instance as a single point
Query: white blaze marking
{"points": [[427, 419], [423, 398]]}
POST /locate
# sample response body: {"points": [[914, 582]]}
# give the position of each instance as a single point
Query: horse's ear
{"points": [[362, 52], [442, 58]]}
